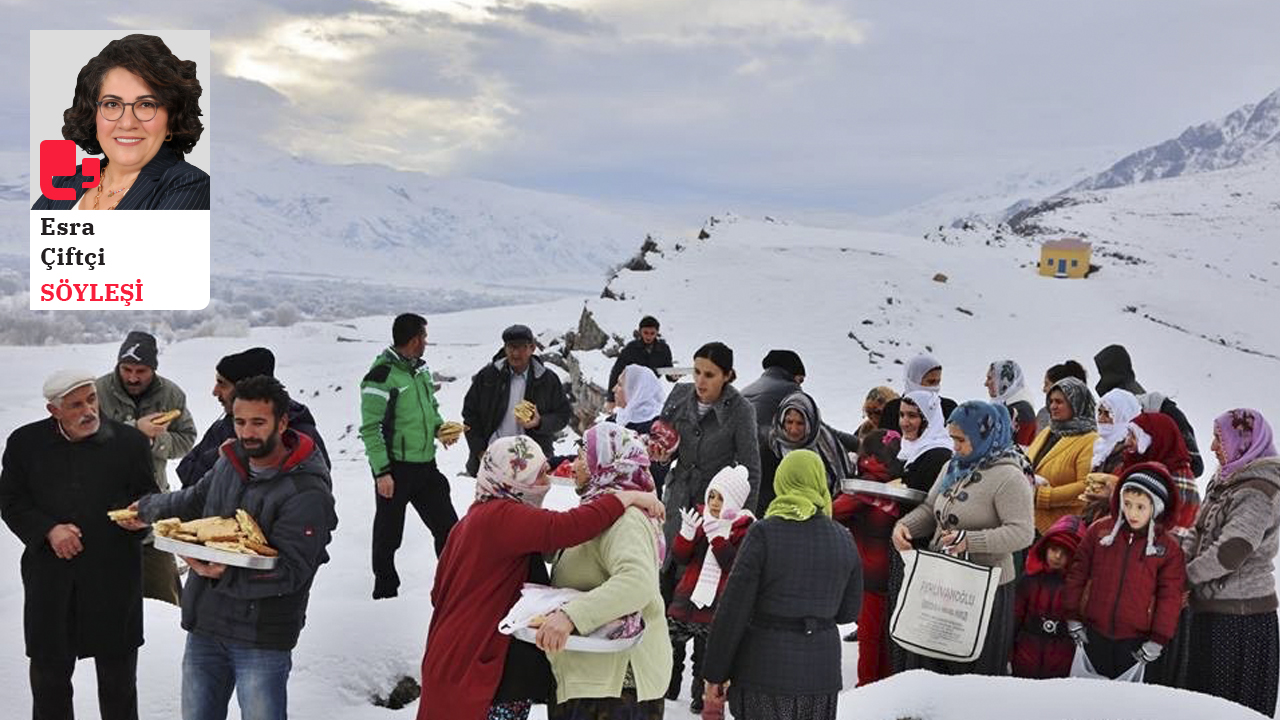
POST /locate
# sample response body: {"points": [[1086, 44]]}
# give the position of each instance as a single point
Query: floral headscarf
{"points": [[990, 434], [513, 468], [1245, 436], [617, 460], [1009, 381]]}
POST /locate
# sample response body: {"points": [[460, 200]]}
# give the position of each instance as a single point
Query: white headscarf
{"points": [[1124, 407], [917, 368], [935, 433], [644, 393]]}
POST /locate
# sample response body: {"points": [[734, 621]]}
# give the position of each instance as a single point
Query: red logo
{"points": [[58, 159]]}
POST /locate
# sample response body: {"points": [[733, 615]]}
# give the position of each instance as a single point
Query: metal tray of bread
{"points": [[884, 490], [208, 554]]}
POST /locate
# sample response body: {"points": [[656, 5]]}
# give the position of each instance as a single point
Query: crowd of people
{"points": [[720, 521]]}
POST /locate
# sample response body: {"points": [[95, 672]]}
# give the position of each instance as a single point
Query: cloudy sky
{"points": [[859, 107]]}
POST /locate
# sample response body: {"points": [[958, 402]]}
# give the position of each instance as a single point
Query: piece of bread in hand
{"points": [[166, 417]]}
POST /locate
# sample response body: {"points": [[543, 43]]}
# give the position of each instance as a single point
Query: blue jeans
{"points": [[211, 669]]}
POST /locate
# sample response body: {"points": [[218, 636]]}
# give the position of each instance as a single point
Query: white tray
{"points": [[208, 554], [879, 489], [582, 643]]}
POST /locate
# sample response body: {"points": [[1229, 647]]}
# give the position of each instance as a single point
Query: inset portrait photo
{"points": [[120, 120]]}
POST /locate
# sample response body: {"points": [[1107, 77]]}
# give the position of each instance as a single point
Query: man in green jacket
{"points": [[399, 417], [135, 395]]}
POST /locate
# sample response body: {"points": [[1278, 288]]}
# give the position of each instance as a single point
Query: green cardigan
{"points": [[619, 571]]}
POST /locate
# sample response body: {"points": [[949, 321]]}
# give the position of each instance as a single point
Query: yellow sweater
{"points": [[1064, 466], [619, 571]]}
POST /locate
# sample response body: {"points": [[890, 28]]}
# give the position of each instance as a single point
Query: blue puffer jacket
{"points": [[294, 506]]}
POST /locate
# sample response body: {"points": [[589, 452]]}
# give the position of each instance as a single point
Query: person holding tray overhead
{"points": [[242, 624]]}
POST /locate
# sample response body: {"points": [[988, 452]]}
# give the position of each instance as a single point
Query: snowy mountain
{"points": [[1249, 134]]}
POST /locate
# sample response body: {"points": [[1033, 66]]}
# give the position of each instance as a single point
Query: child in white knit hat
{"points": [[708, 541]]}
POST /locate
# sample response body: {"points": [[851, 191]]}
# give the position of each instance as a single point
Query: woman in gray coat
{"points": [[1235, 638], [717, 429]]}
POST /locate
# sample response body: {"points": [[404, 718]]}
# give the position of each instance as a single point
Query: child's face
{"points": [[1056, 557], [1137, 509], [714, 504]]}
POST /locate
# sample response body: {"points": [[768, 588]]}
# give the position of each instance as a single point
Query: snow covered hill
{"points": [[855, 304], [1248, 134]]}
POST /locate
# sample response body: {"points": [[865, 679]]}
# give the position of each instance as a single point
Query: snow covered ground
{"points": [[854, 304]]}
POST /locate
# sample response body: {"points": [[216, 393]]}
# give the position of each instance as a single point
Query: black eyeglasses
{"points": [[113, 110]]}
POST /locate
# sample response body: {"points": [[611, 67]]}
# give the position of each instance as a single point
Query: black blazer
{"points": [[168, 182]]}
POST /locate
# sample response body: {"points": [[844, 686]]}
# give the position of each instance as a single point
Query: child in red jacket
{"points": [[707, 544], [1133, 572], [871, 520], [1042, 647]]}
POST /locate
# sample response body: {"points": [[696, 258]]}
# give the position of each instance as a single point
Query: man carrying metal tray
{"points": [[242, 622]]}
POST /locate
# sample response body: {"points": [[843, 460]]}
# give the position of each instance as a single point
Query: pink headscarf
{"points": [[1245, 436], [617, 460], [513, 468]]}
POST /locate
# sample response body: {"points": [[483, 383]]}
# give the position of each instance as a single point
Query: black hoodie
{"points": [[1115, 370]]}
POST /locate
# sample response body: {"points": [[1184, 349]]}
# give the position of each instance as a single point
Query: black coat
{"points": [[201, 458], [654, 357], [486, 403], [90, 605], [1115, 370], [785, 572]]}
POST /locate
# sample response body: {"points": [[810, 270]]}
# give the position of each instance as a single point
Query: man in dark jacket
{"points": [[783, 375], [242, 624], [230, 370], [135, 394], [81, 573], [399, 421], [1115, 370], [647, 348], [513, 376]]}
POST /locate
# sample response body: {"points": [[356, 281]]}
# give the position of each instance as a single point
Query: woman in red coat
{"points": [[489, 556]]}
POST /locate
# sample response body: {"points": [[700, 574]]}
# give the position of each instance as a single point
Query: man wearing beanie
{"points": [[230, 370], [647, 348], [514, 375], [81, 574], [135, 395], [783, 374], [399, 419], [1135, 573]]}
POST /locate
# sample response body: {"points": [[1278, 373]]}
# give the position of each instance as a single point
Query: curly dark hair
{"points": [[172, 80]]}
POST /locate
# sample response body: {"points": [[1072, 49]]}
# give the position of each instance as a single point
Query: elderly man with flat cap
{"points": [[230, 370], [81, 572], [514, 375], [134, 394]]}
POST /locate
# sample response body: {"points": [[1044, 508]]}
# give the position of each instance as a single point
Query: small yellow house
{"points": [[1065, 258]]}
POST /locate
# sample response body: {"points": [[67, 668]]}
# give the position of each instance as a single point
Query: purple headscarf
{"points": [[617, 460], [1245, 436]]}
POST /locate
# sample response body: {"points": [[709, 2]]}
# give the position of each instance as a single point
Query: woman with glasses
{"points": [[137, 104]]}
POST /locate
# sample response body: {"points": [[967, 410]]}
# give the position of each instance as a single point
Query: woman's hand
{"points": [[645, 501], [554, 632], [715, 692], [954, 542], [901, 537]]}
